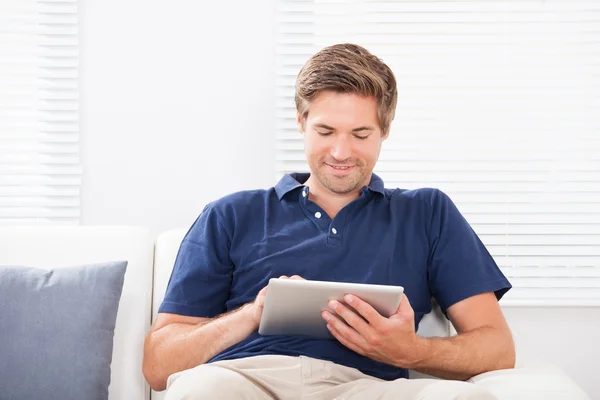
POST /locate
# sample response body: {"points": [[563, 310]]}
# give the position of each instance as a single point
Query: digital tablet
{"points": [[293, 307]]}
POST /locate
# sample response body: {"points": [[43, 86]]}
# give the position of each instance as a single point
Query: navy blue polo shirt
{"points": [[413, 238]]}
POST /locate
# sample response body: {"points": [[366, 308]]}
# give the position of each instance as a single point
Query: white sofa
{"points": [[150, 263]]}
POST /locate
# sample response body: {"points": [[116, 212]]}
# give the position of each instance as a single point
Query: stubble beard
{"points": [[341, 185]]}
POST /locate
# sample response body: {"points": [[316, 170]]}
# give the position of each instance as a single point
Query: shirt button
{"points": [[334, 231], [318, 214]]}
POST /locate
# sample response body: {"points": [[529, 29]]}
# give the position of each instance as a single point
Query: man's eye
{"points": [[361, 137], [324, 133]]}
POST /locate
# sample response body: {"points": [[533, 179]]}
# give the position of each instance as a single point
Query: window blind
{"points": [[498, 106], [40, 173]]}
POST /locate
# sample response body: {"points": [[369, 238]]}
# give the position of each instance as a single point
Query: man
{"points": [[337, 223]]}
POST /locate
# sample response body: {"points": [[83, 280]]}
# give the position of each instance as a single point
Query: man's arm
{"points": [[176, 343], [484, 342]]}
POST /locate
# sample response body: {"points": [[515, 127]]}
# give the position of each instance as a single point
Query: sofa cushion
{"points": [[56, 330]]}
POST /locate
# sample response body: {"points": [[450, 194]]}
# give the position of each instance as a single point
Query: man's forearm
{"points": [[466, 355], [177, 347]]}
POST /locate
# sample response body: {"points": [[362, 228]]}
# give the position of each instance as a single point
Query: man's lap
{"points": [[274, 377]]}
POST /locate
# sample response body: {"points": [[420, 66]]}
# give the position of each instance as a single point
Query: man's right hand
{"points": [[255, 308]]}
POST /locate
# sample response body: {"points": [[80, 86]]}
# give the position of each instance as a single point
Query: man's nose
{"points": [[340, 149]]}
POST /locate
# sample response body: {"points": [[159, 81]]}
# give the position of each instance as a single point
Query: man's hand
{"points": [[255, 308], [390, 340]]}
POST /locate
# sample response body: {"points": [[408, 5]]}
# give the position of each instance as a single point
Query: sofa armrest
{"points": [[531, 379]]}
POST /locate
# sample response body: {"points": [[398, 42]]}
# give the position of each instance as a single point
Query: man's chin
{"points": [[339, 184], [340, 187], [341, 190]]}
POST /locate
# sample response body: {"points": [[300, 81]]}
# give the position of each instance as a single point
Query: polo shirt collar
{"points": [[376, 184], [295, 180]]}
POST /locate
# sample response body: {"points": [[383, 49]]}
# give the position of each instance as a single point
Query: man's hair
{"points": [[348, 68]]}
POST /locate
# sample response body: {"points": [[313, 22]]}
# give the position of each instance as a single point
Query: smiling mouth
{"points": [[341, 167]]}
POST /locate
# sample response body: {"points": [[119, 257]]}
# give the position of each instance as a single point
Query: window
{"points": [[40, 173], [499, 106]]}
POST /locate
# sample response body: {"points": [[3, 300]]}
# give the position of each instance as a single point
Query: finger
{"points": [[260, 300], [405, 309], [365, 310], [261, 296], [284, 277], [351, 317], [342, 329], [343, 340], [297, 277]]}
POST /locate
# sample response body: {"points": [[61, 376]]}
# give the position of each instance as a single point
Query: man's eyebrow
{"points": [[329, 128], [363, 128], [360, 129]]}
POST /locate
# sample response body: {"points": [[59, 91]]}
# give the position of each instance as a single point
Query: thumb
{"points": [[405, 309], [261, 296]]}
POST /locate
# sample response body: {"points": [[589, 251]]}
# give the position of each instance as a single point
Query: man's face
{"points": [[342, 140]]}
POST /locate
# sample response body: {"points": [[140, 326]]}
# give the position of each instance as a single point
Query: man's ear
{"points": [[385, 134], [299, 123]]}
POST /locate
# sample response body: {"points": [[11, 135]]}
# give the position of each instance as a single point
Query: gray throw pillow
{"points": [[56, 330]]}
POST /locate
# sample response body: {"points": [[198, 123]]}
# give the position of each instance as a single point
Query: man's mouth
{"points": [[340, 167]]}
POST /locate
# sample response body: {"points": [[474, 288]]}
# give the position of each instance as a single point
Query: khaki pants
{"points": [[284, 377]]}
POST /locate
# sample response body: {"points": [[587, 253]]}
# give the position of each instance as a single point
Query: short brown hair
{"points": [[348, 68]]}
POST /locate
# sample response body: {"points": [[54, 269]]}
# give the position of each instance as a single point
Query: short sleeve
{"points": [[201, 278], [459, 265]]}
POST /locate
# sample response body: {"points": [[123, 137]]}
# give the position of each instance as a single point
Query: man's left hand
{"points": [[390, 340]]}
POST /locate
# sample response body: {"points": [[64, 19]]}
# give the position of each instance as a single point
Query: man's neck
{"points": [[329, 201]]}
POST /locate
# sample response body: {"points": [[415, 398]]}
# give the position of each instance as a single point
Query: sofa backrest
{"points": [[166, 248], [55, 247]]}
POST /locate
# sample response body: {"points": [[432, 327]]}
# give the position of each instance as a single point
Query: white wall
{"points": [[176, 107], [177, 110]]}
